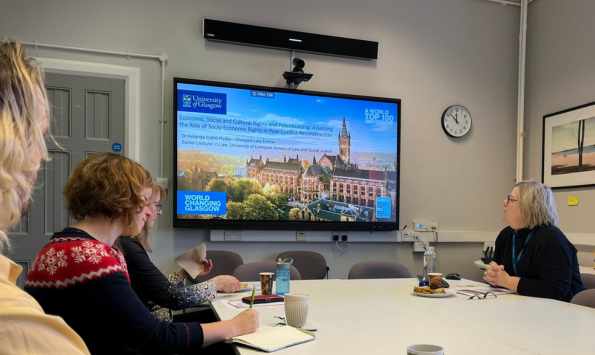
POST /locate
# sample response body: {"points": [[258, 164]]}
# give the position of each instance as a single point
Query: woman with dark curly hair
{"points": [[81, 277]]}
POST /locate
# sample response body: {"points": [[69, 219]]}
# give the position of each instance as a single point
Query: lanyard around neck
{"points": [[517, 259]]}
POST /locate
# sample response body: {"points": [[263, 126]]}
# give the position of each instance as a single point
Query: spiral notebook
{"points": [[271, 339]]}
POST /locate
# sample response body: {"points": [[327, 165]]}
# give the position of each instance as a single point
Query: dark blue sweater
{"points": [[548, 267], [86, 283]]}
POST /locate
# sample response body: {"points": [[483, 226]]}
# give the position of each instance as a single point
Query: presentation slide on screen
{"points": [[261, 155]]}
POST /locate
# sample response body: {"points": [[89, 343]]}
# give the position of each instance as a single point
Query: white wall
{"points": [[433, 54], [560, 76]]}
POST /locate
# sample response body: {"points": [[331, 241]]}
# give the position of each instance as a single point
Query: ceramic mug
{"points": [[424, 349], [296, 309]]}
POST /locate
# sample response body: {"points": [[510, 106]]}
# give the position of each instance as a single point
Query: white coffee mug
{"points": [[296, 309], [424, 349]]}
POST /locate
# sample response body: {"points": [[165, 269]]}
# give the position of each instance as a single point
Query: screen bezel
{"points": [[285, 225]]}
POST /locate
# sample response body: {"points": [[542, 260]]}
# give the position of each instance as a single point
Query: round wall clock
{"points": [[456, 121]]}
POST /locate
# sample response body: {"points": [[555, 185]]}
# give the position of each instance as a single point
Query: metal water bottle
{"points": [[283, 276], [429, 262]]}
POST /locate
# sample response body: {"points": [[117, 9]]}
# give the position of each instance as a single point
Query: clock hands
{"points": [[457, 115]]}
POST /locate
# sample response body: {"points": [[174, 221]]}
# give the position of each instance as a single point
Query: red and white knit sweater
{"points": [[86, 282]]}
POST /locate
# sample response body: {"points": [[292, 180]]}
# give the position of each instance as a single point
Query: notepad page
{"points": [[273, 339]]}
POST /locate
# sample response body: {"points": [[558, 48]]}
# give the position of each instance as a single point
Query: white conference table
{"points": [[382, 316]]}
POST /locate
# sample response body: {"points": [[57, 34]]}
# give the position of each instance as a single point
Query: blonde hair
{"points": [[537, 205], [22, 96], [143, 236]]}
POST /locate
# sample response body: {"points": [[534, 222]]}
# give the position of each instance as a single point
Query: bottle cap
{"points": [[284, 264]]}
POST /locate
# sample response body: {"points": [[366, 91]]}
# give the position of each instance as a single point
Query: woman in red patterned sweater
{"points": [[80, 277]]}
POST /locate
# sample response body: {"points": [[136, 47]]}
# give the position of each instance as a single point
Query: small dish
{"points": [[447, 293]]}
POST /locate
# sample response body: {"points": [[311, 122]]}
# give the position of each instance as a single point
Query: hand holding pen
{"points": [[247, 321], [253, 293]]}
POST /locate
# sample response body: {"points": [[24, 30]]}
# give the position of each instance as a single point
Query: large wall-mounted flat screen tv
{"points": [[252, 157]]}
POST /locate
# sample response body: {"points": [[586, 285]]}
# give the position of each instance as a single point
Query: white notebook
{"points": [[272, 339]]}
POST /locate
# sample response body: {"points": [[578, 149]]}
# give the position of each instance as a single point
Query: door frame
{"points": [[131, 77]]}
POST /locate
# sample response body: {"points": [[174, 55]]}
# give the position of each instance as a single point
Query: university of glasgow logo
{"points": [[202, 102], [187, 100]]}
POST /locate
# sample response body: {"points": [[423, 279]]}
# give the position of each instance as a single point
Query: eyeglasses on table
{"points": [[483, 296]]}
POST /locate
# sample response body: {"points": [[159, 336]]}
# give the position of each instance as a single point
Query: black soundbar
{"points": [[258, 36]]}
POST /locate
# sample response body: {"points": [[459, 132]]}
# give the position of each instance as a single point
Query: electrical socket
{"points": [[406, 237], [434, 225], [233, 236], [419, 244], [300, 236]]}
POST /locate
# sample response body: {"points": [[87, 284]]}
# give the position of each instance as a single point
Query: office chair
{"points": [[378, 270], [588, 281], [224, 263], [585, 298], [311, 265]]}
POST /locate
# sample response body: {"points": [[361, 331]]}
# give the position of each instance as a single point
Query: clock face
{"points": [[456, 121]]}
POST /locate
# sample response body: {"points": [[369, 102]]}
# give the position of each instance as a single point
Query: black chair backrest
{"points": [[378, 270], [224, 263], [588, 281], [311, 265], [585, 298]]}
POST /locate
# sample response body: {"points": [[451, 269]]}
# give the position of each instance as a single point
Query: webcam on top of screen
{"points": [[296, 76]]}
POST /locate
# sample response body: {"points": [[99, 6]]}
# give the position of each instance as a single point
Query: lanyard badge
{"points": [[517, 259]]}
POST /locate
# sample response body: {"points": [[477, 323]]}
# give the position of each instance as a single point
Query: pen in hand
{"points": [[252, 300]]}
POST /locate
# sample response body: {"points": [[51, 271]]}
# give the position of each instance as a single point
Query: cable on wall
{"points": [[162, 57]]}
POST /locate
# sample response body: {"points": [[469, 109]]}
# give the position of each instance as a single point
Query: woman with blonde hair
{"points": [[159, 293], [81, 277], [24, 110], [533, 257]]}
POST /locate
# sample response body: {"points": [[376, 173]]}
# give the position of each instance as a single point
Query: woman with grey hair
{"points": [[533, 257]]}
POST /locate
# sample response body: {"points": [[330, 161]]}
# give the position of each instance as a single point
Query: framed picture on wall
{"points": [[569, 147]]}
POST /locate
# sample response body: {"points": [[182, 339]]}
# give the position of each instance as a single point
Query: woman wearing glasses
{"points": [[79, 276], [533, 257], [159, 293]]}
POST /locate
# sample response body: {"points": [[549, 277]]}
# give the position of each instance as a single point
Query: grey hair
{"points": [[537, 205]]}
